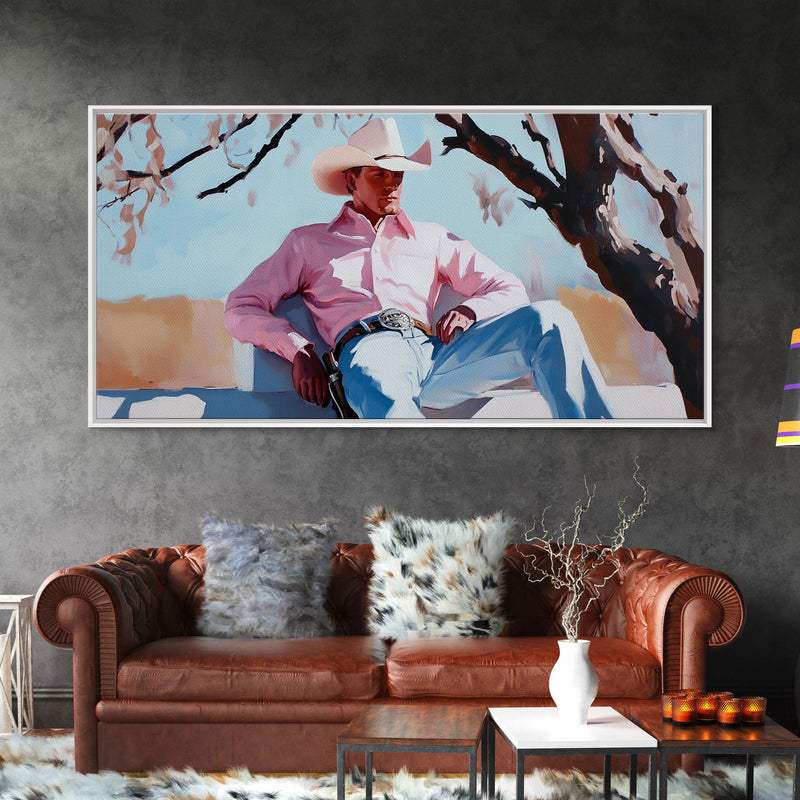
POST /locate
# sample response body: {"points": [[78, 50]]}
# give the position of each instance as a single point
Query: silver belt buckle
{"points": [[393, 319]]}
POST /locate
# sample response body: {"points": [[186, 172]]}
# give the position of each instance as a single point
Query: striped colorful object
{"points": [[789, 426]]}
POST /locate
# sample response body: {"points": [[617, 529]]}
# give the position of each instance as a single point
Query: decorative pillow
{"points": [[436, 578], [263, 581]]}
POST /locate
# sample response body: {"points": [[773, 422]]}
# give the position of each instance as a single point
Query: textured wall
{"points": [[720, 496]]}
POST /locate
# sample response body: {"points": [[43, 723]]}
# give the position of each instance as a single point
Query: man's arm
{"points": [[250, 317], [488, 290], [250, 307]]}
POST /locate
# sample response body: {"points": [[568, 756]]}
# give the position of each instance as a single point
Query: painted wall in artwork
{"points": [[177, 342], [162, 343]]}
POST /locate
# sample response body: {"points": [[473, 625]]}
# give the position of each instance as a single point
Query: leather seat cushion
{"points": [[199, 668], [514, 666]]}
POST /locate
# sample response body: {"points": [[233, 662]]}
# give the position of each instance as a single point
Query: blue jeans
{"points": [[388, 374]]}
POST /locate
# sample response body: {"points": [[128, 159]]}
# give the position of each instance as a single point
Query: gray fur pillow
{"points": [[264, 581], [436, 578]]}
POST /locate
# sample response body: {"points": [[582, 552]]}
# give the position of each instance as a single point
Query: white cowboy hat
{"points": [[376, 144]]}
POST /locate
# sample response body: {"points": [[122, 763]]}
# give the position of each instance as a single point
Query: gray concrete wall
{"points": [[724, 496]]}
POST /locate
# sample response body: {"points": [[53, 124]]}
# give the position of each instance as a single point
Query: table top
{"points": [[451, 726], [711, 736], [540, 729]]}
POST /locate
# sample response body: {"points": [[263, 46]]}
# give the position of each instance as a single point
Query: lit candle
{"points": [[729, 711], [666, 704], [684, 710], [754, 710], [707, 707]]}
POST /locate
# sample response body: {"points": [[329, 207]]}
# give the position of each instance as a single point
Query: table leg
{"points": [[473, 776], [520, 776], [369, 774], [795, 779], [484, 758], [652, 776], [607, 777], [634, 776], [662, 778], [490, 741], [748, 786], [339, 772]]}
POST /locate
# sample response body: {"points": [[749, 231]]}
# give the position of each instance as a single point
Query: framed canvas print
{"points": [[399, 266]]}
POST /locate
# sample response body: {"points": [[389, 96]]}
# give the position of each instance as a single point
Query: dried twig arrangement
{"points": [[569, 562]]}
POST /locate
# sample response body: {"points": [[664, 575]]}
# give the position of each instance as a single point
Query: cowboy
{"points": [[371, 279]]}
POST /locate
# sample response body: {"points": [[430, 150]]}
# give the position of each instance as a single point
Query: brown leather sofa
{"points": [[149, 692]]}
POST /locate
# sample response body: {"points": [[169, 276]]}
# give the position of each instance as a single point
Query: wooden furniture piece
{"points": [[537, 731], [16, 663], [415, 729], [709, 739]]}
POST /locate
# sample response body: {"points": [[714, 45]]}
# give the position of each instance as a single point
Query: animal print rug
{"points": [[41, 768]]}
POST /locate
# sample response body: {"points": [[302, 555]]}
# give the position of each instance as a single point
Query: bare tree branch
{"points": [[499, 153], [536, 135], [127, 182], [270, 145], [118, 124], [247, 119], [182, 162]]}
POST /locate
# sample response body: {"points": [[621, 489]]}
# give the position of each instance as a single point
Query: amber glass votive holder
{"points": [[707, 707], [666, 704], [684, 710], [754, 710], [729, 712]]}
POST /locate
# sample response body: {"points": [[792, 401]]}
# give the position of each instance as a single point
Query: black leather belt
{"points": [[390, 319]]}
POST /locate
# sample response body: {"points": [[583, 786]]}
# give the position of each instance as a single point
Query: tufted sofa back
{"points": [[163, 589], [532, 609]]}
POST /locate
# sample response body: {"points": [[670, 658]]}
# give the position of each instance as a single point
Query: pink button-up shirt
{"points": [[346, 271]]}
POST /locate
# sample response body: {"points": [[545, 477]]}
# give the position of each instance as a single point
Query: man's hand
{"points": [[456, 319], [309, 377]]}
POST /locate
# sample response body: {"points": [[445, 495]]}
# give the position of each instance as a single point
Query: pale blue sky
{"points": [[204, 248]]}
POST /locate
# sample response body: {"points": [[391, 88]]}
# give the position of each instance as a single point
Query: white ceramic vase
{"points": [[573, 682]]}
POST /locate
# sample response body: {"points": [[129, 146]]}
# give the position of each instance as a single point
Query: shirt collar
{"points": [[348, 214]]}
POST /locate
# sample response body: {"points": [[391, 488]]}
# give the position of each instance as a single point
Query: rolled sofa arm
{"points": [[84, 608], [677, 610], [106, 609], [135, 597]]}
